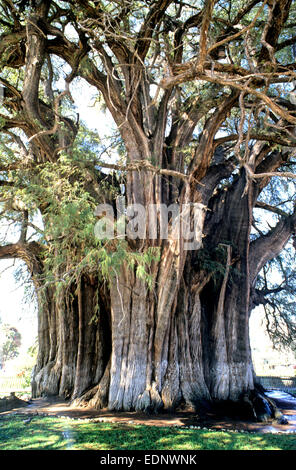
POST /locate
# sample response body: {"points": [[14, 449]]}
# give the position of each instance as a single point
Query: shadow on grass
{"points": [[51, 433]]}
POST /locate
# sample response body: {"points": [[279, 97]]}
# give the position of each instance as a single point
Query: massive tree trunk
{"points": [[184, 342], [74, 338], [187, 345], [183, 339]]}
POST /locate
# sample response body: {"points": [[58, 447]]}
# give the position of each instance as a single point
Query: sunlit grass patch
{"points": [[41, 433], [52, 433]]}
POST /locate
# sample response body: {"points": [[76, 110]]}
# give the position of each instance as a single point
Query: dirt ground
{"points": [[59, 407]]}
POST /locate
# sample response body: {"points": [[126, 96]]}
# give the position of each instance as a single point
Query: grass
{"points": [[52, 433]]}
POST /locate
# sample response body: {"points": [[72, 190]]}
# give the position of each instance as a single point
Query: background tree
{"points": [[10, 341], [202, 97]]}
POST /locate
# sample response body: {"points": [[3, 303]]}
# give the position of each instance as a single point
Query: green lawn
{"points": [[51, 433]]}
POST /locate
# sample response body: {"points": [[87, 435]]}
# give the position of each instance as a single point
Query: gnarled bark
{"points": [[185, 341], [74, 341]]}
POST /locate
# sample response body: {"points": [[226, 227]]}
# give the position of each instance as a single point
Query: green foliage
{"points": [[27, 368], [70, 247], [10, 341], [214, 262], [110, 261]]}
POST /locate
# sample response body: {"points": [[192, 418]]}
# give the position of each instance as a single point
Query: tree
{"points": [[201, 94], [10, 341]]}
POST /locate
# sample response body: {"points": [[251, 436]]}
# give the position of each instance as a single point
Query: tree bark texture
{"points": [[145, 353], [185, 340], [74, 340]]}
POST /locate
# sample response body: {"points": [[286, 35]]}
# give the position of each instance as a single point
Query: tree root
{"points": [[253, 405]]}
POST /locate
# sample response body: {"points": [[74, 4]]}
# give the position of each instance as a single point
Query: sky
{"points": [[13, 310]]}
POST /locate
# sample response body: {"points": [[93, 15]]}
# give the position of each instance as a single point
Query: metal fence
{"points": [[286, 384]]}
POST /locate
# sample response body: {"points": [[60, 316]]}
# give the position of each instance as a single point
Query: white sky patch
{"points": [[13, 310]]}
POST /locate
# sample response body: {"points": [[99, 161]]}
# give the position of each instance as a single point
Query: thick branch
{"points": [[268, 207], [35, 52], [28, 252], [273, 138], [206, 20], [143, 165], [205, 149], [192, 74], [267, 247], [145, 34], [279, 12]]}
